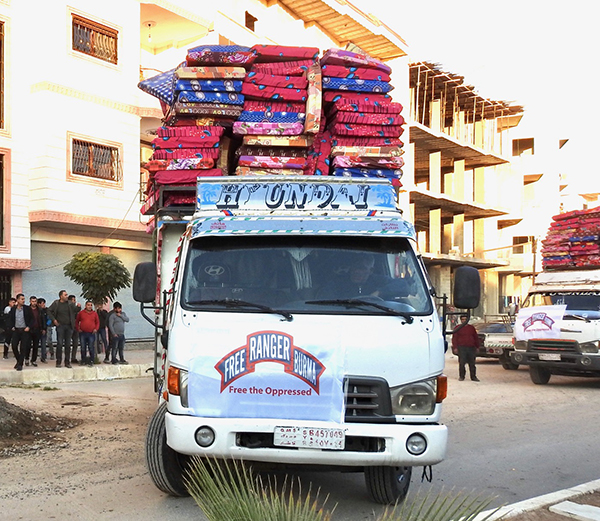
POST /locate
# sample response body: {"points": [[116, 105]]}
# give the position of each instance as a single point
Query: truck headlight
{"points": [[417, 398], [589, 347], [183, 387]]}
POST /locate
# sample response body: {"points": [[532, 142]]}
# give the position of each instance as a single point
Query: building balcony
{"points": [[427, 141], [424, 201]]}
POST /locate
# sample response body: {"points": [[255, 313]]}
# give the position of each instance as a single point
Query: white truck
{"points": [[296, 326], [558, 327]]}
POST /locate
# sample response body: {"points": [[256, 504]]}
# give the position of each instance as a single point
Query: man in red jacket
{"points": [[466, 341], [87, 323]]}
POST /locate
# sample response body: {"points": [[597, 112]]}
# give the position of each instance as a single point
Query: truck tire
{"points": [[387, 485], [166, 467], [539, 375], [507, 363]]}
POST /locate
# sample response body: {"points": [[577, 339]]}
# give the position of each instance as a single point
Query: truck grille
{"points": [[368, 400], [561, 346]]}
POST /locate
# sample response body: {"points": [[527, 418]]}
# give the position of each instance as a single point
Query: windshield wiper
{"points": [[578, 317], [237, 303], [357, 302]]}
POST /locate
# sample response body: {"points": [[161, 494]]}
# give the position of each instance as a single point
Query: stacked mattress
{"points": [[282, 111], [573, 241], [268, 109], [361, 115], [201, 99]]}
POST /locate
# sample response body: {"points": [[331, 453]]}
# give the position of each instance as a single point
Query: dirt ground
{"points": [[55, 441], [69, 442]]}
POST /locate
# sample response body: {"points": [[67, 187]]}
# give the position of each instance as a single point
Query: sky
{"points": [[539, 54]]}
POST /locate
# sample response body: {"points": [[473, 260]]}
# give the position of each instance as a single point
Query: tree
{"points": [[100, 275]]}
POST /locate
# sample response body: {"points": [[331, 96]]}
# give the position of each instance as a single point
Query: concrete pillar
{"points": [[491, 292], [458, 240], [459, 180], [469, 237], [469, 186], [422, 241], [435, 172], [478, 237], [435, 232], [448, 188], [479, 133], [479, 185], [447, 238]]}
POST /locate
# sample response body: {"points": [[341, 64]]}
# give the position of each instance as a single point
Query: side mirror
{"points": [[467, 288], [144, 282]]}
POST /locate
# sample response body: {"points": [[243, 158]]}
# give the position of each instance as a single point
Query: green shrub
{"points": [[229, 491]]}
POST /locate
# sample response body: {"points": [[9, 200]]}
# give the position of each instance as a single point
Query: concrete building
{"points": [[464, 194], [74, 127]]}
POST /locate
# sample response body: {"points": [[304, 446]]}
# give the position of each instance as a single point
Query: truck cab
{"points": [[298, 328], [558, 327]]}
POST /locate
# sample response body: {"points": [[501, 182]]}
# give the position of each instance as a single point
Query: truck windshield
{"points": [[586, 303], [304, 274]]}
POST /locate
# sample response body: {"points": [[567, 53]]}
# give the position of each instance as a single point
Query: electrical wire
{"points": [[135, 198]]}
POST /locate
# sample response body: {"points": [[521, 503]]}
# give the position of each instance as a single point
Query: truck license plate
{"points": [[549, 357], [309, 438]]}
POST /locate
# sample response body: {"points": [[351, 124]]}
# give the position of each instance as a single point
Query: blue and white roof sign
{"points": [[290, 196]]}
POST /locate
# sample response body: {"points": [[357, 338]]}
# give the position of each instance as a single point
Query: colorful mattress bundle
{"points": [[573, 240], [267, 104], [200, 98], [360, 114], [273, 155], [282, 109], [209, 84]]}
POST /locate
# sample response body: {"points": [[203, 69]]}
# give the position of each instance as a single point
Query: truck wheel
{"points": [[387, 485], [539, 375], [166, 467], [507, 363]]}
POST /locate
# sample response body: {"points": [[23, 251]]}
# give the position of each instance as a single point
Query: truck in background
{"points": [[296, 326], [558, 327], [496, 339]]}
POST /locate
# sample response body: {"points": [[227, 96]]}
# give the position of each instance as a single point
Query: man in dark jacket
{"points": [[35, 334], [20, 321], [466, 341], [63, 314]]}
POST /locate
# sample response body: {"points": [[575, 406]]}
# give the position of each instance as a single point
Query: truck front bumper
{"points": [[566, 362], [366, 444]]}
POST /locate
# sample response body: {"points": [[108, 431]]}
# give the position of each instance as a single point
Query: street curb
{"points": [[539, 502], [76, 374]]}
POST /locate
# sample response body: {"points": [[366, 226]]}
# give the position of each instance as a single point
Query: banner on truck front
{"points": [[539, 322], [269, 375]]}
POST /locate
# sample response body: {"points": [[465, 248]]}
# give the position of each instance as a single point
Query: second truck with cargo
{"points": [[557, 331]]}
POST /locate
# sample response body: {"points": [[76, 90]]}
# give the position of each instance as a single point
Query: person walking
{"points": [[87, 323], [7, 331], [63, 314], [38, 326], [116, 327], [20, 323], [465, 341]]}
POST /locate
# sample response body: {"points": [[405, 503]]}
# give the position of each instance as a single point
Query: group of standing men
{"points": [[27, 329]]}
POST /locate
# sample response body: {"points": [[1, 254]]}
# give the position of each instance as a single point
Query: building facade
{"points": [[464, 193]]}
